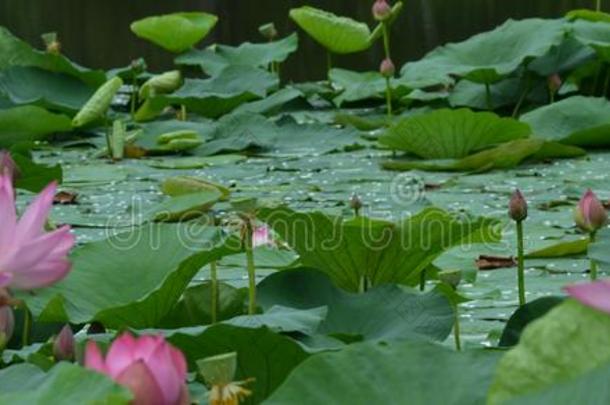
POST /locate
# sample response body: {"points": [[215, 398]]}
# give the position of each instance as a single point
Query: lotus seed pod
{"points": [[517, 208], [590, 215], [381, 10], [387, 68]]}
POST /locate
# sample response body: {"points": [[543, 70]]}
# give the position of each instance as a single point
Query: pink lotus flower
{"points": [[151, 368], [30, 257], [590, 215], [261, 237], [595, 295], [7, 165]]}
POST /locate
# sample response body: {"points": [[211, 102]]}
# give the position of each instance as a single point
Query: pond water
{"points": [[96, 33]]}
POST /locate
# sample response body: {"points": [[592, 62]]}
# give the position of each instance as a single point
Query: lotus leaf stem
{"points": [[520, 263], [27, 326], [456, 329], [250, 267], [134, 96], [329, 62], [108, 135], [386, 41], [598, 6], [593, 266], [524, 94], [388, 96], [422, 280], [606, 81], [488, 96], [214, 282]]}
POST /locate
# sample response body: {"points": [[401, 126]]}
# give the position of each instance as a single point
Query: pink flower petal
{"points": [[32, 222], [5, 279], [161, 365], [139, 379], [8, 216], [94, 359], [595, 295], [121, 354]]}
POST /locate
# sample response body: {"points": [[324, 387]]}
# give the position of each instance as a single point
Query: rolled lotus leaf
{"points": [[181, 185], [96, 107], [168, 137], [161, 84]]}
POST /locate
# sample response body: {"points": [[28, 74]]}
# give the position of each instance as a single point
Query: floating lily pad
{"points": [[175, 32]]}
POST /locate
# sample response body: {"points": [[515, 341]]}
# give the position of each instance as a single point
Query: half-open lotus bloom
{"points": [[590, 214], [30, 257], [150, 367], [595, 295]]}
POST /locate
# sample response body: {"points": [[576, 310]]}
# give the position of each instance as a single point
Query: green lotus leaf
{"points": [[414, 373], [570, 340], [341, 35], [30, 123], [594, 34], [578, 120], [175, 32], [393, 252], [490, 56], [588, 15], [445, 134]]}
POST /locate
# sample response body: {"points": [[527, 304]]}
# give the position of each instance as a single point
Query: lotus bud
{"points": [[268, 31], [355, 203], [554, 82], [8, 165], [517, 208], [63, 346], [590, 215], [52, 44], [7, 325], [387, 68], [381, 10], [138, 65]]}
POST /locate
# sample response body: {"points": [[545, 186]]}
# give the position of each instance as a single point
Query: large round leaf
{"points": [[570, 340], [384, 313], [490, 56], [595, 35], [65, 384], [127, 279], [445, 133], [384, 252], [578, 120], [414, 373], [30, 123], [175, 32], [337, 34]]}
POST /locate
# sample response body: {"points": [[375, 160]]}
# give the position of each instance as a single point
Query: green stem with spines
{"points": [[214, 285], [593, 265], [386, 41], [250, 267], [520, 263]]}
